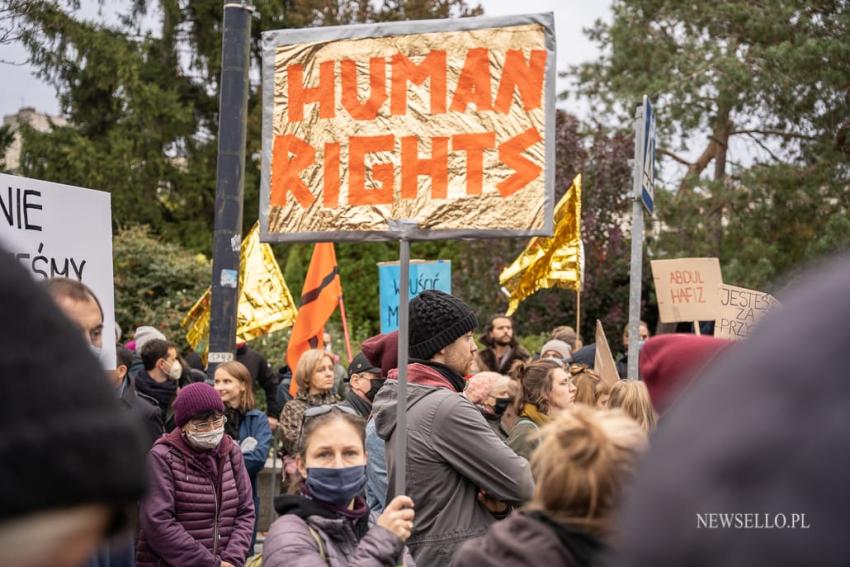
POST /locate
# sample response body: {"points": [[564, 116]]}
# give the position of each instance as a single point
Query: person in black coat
{"points": [[142, 405]]}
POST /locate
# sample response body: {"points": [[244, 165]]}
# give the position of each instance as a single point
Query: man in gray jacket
{"points": [[457, 468]]}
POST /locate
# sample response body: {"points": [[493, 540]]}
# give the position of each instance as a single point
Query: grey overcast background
{"points": [[22, 88]]}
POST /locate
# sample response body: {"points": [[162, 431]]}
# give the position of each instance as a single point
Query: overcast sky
{"points": [[22, 88]]}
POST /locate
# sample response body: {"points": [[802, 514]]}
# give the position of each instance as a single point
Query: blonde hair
{"points": [[589, 386], [307, 365], [241, 373], [633, 397], [583, 460]]}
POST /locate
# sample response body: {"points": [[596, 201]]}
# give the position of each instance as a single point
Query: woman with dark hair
{"points": [[328, 522], [547, 389], [245, 424]]}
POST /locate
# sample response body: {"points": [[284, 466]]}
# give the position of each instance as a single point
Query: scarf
{"points": [[358, 513], [163, 393], [531, 412], [234, 421], [456, 380], [358, 404]]}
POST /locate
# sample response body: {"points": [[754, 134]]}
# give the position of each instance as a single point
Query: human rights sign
{"points": [[446, 124]]}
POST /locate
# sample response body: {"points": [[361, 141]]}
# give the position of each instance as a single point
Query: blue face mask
{"points": [[336, 486]]}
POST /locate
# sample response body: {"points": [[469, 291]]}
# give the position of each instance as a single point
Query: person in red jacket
{"points": [[199, 510]]}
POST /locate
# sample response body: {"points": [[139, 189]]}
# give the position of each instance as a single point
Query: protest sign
{"points": [[57, 230], [687, 289], [603, 363], [740, 310], [445, 124], [423, 275]]}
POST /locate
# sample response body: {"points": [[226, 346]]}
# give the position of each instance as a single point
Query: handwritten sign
{"points": [[57, 230], [423, 275], [447, 124], [740, 310], [687, 289], [603, 363]]}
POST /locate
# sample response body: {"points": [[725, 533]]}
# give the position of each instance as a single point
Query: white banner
{"points": [[57, 230]]}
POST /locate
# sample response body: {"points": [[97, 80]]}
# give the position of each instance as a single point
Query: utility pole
{"points": [[230, 180]]}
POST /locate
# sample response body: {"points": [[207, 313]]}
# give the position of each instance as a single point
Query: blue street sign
{"points": [[647, 184]]}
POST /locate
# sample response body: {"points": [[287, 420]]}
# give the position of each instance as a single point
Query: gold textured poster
{"points": [[447, 129]]}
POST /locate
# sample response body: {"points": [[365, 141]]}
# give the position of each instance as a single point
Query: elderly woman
{"points": [[491, 393], [199, 510]]}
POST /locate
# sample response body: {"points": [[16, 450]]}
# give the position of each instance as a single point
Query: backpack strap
{"points": [[320, 543]]}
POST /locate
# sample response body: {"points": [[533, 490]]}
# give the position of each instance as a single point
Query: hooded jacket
{"points": [[346, 542], [199, 509], [451, 454], [529, 539]]}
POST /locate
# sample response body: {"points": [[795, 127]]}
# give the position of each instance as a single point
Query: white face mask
{"points": [[206, 440], [175, 371]]}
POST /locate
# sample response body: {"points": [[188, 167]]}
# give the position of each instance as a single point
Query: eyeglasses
{"points": [[316, 411], [206, 426]]}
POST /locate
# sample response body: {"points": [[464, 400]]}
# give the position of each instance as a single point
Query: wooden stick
{"points": [[697, 329]]}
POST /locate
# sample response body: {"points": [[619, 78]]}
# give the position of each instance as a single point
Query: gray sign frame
{"points": [[405, 228]]}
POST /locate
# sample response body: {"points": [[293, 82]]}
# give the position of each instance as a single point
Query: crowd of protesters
{"points": [[512, 457]]}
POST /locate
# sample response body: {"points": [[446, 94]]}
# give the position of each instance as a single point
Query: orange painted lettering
{"points": [[526, 171], [383, 173], [290, 156], [412, 166], [299, 95], [377, 88], [522, 75], [474, 146], [331, 176], [433, 67], [474, 82]]}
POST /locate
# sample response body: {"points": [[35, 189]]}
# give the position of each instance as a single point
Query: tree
{"points": [[773, 74]]}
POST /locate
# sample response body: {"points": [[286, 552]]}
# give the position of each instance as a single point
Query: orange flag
{"points": [[319, 299]]}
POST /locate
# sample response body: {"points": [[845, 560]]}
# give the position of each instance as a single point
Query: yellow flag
{"points": [[265, 304], [550, 262]]}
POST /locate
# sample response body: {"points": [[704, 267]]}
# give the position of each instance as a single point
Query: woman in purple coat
{"points": [[199, 510]]}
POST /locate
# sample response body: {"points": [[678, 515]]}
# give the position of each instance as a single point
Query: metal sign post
{"points": [[403, 339], [643, 196]]}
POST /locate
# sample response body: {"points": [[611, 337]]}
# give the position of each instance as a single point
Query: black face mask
{"points": [[375, 385], [501, 405]]}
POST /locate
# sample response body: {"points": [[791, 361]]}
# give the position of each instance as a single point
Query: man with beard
{"points": [[502, 348]]}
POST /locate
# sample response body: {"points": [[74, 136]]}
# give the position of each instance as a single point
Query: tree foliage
{"points": [[156, 282], [760, 92]]}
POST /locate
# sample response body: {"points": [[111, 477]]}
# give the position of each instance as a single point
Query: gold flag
{"points": [[550, 262], [265, 304]]}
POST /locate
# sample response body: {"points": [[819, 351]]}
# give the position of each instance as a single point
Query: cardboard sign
{"points": [[57, 230], [423, 275], [447, 125], [687, 289], [740, 310], [604, 364]]}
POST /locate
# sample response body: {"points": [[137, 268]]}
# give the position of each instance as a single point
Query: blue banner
{"points": [[424, 275]]}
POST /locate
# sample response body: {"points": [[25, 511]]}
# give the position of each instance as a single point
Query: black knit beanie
{"points": [[437, 319], [65, 440]]}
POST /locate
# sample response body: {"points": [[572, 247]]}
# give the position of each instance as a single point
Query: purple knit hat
{"points": [[195, 399]]}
